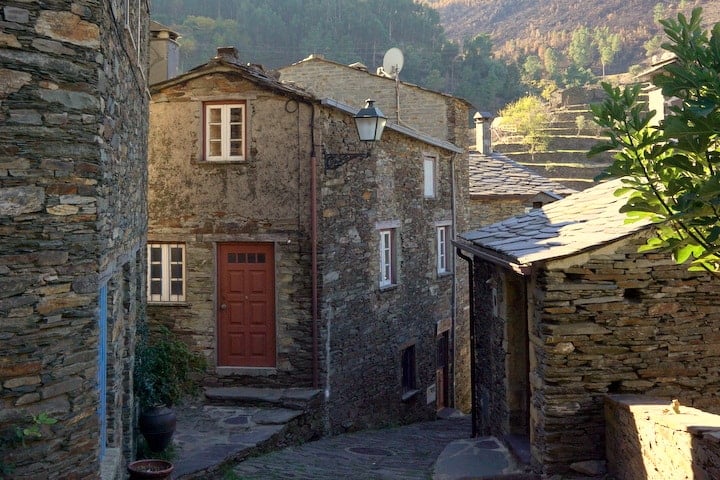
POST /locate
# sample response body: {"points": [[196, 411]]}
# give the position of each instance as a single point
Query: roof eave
{"points": [[398, 128], [494, 257]]}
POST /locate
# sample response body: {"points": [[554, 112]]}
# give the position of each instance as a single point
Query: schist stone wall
{"points": [[73, 121], [615, 321], [366, 327], [648, 438], [487, 210], [435, 114]]}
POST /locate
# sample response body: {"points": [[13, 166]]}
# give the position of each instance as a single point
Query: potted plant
{"points": [[150, 469], [165, 372]]}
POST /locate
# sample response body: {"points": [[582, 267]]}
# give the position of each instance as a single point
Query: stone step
{"points": [[209, 436], [291, 398]]}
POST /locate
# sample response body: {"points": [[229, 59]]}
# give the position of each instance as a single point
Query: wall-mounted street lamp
{"points": [[370, 123]]}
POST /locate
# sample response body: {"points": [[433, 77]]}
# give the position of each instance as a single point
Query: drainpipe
{"points": [[453, 203], [314, 250], [473, 393]]}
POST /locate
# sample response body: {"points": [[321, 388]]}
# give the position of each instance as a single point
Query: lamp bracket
{"points": [[336, 160]]}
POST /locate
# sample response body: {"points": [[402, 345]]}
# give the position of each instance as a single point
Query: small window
{"points": [[225, 132], [442, 254], [166, 272], [429, 177], [388, 258], [409, 380]]}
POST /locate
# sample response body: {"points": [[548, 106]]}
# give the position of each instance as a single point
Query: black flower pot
{"points": [[157, 425]]}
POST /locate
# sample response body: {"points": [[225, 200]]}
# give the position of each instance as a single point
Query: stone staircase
{"points": [[233, 423]]}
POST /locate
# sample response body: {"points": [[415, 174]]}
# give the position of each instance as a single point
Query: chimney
{"points": [[483, 136], [164, 53], [228, 54]]}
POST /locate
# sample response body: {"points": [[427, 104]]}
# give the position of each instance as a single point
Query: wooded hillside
{"points": [[519, 28], [489, 52]]}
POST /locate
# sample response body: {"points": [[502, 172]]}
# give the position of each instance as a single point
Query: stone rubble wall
{"points": [[440, 116], [645, 438], [365, 328], [487, 211], [616, 321], [73, 122]]}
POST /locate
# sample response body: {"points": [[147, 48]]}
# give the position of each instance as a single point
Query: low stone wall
{"points": [[647, 439]]}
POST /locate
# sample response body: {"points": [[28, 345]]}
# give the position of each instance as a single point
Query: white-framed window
{"points": [[224, 131], [388, 257], [429, 166], [166, 272], [441, 243]]}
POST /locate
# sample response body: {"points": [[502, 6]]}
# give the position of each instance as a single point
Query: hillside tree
{"points": [[671, 172], [580, 50], [608, 45], [529, 118]]}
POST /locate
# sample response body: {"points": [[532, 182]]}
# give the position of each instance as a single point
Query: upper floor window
{"points": [[224, 132], [442, 249], [388, 258], [429, 177], [166, 272]]}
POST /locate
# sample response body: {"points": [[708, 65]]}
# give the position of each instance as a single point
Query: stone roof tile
{"points": [[578, 222], [496, 175]]}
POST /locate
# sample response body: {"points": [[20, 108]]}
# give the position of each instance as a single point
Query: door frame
{"points": [[223, 370], [443, 329]]}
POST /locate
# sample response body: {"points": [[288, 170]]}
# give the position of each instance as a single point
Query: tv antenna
{"points": [[393, 62]]}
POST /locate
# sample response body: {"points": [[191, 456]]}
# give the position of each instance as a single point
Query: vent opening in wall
{"points": [[615, 386], [632, 295], [574, 277]]}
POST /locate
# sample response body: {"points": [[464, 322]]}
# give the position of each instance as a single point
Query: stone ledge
{"points": [[646, 434], [110, 465], [659, 411]]}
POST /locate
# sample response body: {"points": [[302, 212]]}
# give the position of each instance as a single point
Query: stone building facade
{"points": [[368, 338], [425, 112], [595, 317], [73, 129], [433, 113], [500, 187]]}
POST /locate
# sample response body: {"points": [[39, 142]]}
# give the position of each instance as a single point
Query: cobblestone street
{"points": [[402, 453]]}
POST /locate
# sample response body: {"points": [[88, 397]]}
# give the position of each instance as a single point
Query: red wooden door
{"points": [[246, 305]]}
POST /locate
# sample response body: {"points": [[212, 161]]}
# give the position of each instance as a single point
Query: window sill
{"points": [[167, 304], [444, 274], [205, 161], [386, 288], [409, 395]]}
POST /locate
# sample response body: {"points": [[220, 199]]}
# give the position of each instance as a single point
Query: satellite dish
{"points": [[393, 62]]}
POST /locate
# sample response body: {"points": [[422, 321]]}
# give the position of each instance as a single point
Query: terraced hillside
{"points": [[565, 160]]}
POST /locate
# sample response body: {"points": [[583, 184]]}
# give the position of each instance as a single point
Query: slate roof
{"points": [[569, 226], [497, 175], [252, 72]]}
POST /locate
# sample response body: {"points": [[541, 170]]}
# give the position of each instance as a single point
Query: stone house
{"points": [[427, 112], [566, 311], [341, 265], [73, 131], [434, 113], [500, 187]]}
